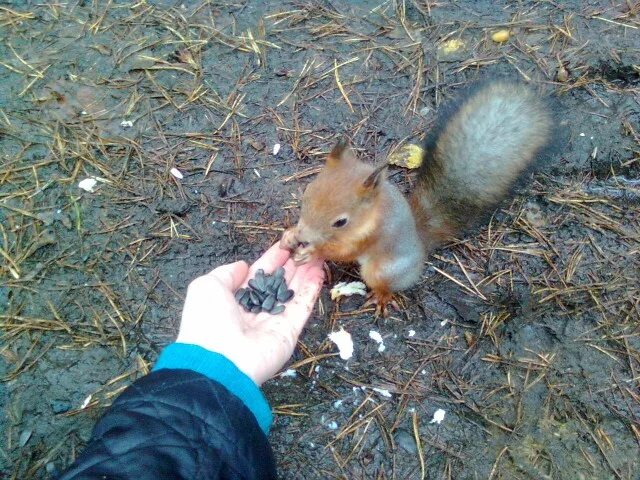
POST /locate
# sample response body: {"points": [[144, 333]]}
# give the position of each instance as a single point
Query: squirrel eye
{"points": [[341, 222]]}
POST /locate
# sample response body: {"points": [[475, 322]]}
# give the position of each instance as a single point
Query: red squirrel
{"points": [[481, 146]]}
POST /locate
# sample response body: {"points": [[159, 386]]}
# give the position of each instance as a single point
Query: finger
{"points": [[231, 275], [306, 283]]}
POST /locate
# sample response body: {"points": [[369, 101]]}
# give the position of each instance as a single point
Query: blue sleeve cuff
{"points": [[219, 368]]}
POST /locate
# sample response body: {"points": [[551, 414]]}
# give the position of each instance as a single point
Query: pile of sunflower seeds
{"points": [[264, 292]]}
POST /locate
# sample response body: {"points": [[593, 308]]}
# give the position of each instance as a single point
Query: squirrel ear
{"points": [[341, 152], [375, 178]]}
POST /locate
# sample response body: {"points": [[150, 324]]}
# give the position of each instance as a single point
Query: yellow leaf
{"points": [[409, 156], [500, 36], [451, 46]]}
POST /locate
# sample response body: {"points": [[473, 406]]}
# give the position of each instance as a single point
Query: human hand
{"points": [[258, 344]]}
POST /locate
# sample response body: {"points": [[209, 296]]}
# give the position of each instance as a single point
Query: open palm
{"points": [[258, 344]]}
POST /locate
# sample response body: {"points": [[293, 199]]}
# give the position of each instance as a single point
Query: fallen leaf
{"points": [[409, 156], [500, 36], [451, 46]]}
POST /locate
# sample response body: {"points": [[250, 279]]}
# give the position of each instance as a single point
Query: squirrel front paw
{"points": [[304, 254], [289, 240]]}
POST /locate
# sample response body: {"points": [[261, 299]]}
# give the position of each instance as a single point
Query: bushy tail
{"points": [[483, 144]]}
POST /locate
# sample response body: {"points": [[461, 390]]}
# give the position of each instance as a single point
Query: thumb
{"points": [[231, 275]]}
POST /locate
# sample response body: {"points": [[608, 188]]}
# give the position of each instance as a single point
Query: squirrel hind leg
{"points": [[383, 300]]}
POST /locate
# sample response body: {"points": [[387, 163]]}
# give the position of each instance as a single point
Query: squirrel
{"points": [[481, 147]]}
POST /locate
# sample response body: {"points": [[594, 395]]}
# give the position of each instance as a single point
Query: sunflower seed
{"points": [[268, 303], [257, 284], [279, 273], [268, 282], [256, 309], [246, 302], [282, 292], [255, 298], [287, 296], [277, 309], [240, 293]]}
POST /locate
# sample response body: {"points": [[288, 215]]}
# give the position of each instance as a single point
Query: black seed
{"points": [[282, 287], [245, 300], [287, 296], [260, 282], [277, 282], [257, 284], [246, 303], [240, 293], [277, 309], [268, 282], [256, 309], [255, 297], [282, 292], [268, 303]]}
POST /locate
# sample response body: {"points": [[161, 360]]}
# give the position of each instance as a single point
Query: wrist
{"points": [[219, 368]]}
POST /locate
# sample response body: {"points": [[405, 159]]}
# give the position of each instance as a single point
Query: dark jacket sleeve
{"points": [[176, 424]]}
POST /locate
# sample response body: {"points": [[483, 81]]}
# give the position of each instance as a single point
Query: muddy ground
{"points": [[525, 332]]}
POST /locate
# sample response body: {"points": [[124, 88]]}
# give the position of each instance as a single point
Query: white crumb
{"points": [[276, 148], [344, 289], [344, 342], [444, 322], [382, 391], [88, 184], [176, 173], [412, 333], [438, 416], [290, 372], [378, 339], [126, 124]]}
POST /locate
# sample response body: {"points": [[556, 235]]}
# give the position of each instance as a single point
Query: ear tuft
{"points": [[375, 178], [341, 152]]}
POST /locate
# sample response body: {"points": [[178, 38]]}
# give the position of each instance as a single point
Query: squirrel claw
{"points": [[289, 240], [382, 302]]}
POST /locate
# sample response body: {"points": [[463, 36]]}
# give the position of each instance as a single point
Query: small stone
{"points": [[562, 74], [406, 441], [24, 437], [60, 406]]}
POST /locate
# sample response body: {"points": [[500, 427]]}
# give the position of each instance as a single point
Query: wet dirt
{"points": [[533, 352]]}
